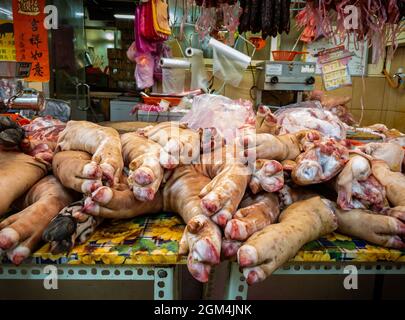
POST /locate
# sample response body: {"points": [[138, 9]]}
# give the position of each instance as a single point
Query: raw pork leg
{"points": [[77, 171], [255, 213], [273, 246], [141, 155], [320, 163], [21, 233], [180, 144], [229, 248], [357, 188], [283, 147], [69, 228], [288, 195], [19, 172], [267, 175], [201, 238], [102, 143], [221, 197], [391, 153], [394, 182], [379, 229]]}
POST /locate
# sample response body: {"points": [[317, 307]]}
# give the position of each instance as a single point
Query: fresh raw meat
{"points": [[220, 198], [201, 238], [41, 137], [102, 143], [229, 248], [69, 228], [336, 105], [77, 171], [378, 229], [21, 233], [308, 116], [255, 213], [11, 134], [320, 163], [267, 175], [392, 153], [289, 195], [266, 121], [283, 147], [19, 172], [274, 245], [141, 155], [357, 188], [394, 182], [180, 145]]}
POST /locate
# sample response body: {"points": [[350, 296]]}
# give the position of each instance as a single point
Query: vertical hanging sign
{"points": [[7, 48], [31, 37]]}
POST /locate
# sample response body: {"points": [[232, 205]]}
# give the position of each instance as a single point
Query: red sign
{"points": [[31, 37]]}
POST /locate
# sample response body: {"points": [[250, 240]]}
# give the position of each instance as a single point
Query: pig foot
{"points": [[221, 197], [202, 241], [145, 179], [76, 171], [70, 227], [267, 175], [230, 248]]}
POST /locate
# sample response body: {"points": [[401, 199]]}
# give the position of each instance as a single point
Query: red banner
{"points": [[31, 37]]}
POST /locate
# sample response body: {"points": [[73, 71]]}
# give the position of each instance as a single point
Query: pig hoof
{"points": [[92, 171], [230, 248], [143, 176], [247, 256], [89, 186], [221, 218], [236, 230], [18, 255], [143, 194], [8, 238], [102, 195], [253, 275], [198, 270], [204, 250]]}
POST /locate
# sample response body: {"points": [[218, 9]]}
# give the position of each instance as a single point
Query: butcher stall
{"points": [[196, 149]]}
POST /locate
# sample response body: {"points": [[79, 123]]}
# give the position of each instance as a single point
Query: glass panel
{"points": [[67, 55]]}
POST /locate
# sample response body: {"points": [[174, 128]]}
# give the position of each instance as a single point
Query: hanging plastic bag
{"points": [[131, 52], [141, 44], [229, 63], [144, 70]]}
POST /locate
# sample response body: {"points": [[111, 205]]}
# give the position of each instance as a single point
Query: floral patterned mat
{"points": [[155, 240]]}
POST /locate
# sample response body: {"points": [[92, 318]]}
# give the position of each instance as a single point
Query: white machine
{"points": [[285, 76]]}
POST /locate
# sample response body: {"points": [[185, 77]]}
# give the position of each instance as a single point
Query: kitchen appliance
{"points": [[23, 98], [293, 76]]}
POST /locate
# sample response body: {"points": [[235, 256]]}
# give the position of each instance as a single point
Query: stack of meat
{"points": [[251, 198]]}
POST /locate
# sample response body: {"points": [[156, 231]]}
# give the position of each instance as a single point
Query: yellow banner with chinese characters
{"points": [[7, 47]]}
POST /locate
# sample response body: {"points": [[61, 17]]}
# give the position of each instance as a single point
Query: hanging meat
{"points": [[270, 17]]}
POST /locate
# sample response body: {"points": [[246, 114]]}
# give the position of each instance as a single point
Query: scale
{"points": [[293, 76]]}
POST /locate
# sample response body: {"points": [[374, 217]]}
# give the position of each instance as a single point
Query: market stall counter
{"points": [[146, 248], [335, 254], [143, 248]]}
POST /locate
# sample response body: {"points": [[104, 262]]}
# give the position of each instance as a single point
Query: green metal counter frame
{"points": [[237, 288], [164, 277]]}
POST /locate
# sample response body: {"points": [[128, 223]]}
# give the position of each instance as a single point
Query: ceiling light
{"points": [[79, 14], [124, 16], [109, 36]]}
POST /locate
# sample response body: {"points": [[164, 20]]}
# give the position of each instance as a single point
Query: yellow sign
{"points": [[7, 46]]}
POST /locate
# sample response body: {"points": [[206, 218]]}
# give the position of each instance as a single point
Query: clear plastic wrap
{"points": [[225, 115], [144, 70], [309, 115]]}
